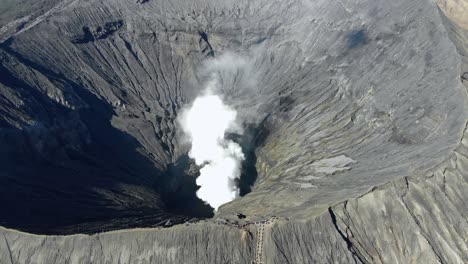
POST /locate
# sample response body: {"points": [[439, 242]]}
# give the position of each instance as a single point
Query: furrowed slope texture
{"points": [[358, 109]]}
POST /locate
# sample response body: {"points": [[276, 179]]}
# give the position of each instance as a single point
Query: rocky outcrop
{"points": [[457, 26], [356, 120], [456, 11]]}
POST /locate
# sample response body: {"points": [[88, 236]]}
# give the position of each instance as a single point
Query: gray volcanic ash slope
{"points": [[354, 138]]}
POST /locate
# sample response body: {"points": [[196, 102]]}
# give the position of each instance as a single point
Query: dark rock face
{"points": [[101, 32], [355, 136]]}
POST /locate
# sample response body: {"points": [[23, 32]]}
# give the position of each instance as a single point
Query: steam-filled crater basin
{"points": [[334, 99]]}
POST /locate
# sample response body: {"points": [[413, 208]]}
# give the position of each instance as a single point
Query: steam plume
{"points": [[206, 123]]}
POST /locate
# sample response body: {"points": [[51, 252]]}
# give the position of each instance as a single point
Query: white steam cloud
{"points": [[206, 123]]}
